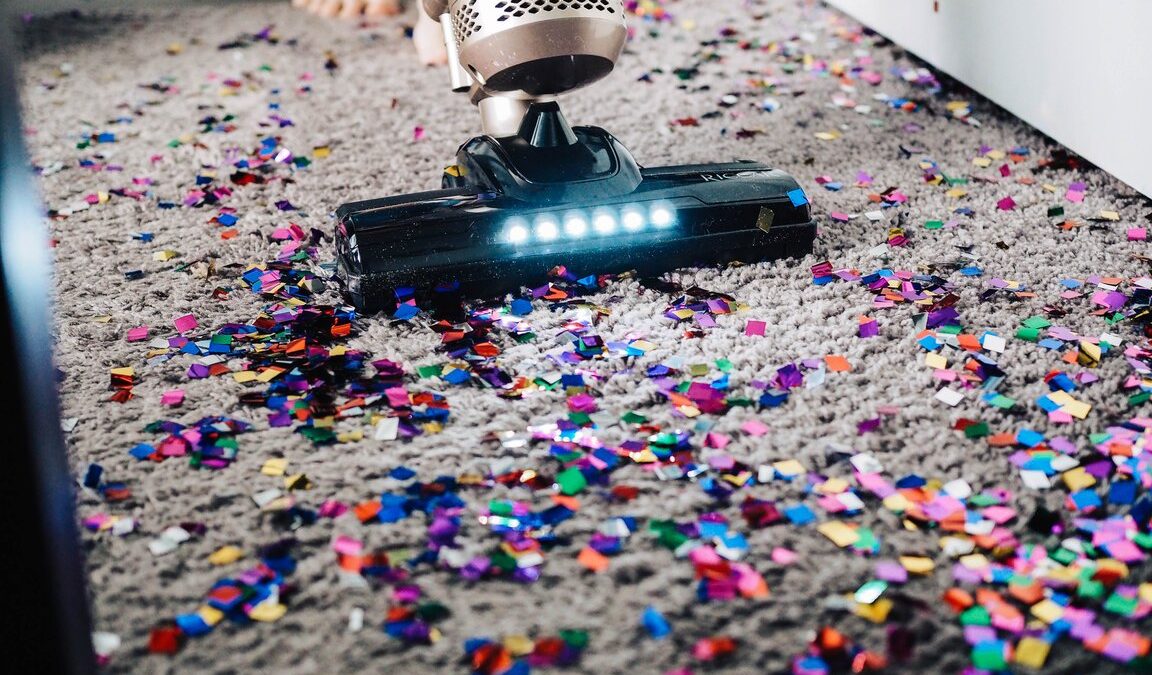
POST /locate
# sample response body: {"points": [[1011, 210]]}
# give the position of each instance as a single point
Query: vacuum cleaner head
{"points": [[490, 243], [516, 207]]}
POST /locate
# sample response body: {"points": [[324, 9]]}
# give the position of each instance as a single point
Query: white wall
{"points": [[1077, 70]]}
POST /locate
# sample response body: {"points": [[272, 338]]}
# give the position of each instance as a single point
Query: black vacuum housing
{"points": [[514, 208]]}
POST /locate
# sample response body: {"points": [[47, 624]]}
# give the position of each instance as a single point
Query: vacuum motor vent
{"points": [[466, 17], [512, 9], [465, 20]]}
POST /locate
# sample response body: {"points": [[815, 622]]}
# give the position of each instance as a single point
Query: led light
{"points": [[575, 225], [633, 220], [661, 216], [546, 229], [517, 232], [605, 223]]}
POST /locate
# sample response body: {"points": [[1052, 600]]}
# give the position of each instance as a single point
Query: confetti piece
{"points": [[185, 323], [593, 560], [387, 429], [225, 555], [841, 534], [917, 564], [754, 428], [713, 648], [172, 398], [949, 397], [783, 556], [655, 623], [1032, 652], [274, 467], [837, 363]]}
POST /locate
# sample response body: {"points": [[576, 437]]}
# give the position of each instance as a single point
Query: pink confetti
{"points": [[754, 428], [185, 323], [172, 397], [783, 556], [346, 545], [332, 509], [755, 327], [418, 133], [137, 334], [894, 572], [716, 440], [397, 396], [1137, 233], [1006, 204]]}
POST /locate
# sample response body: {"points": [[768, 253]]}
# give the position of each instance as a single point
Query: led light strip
{"points": [[545, 228]]}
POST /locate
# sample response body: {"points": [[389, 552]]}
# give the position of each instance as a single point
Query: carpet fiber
{"points": [[126, 110]]}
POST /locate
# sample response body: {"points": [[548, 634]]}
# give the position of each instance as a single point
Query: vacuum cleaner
{"points": [[534, 193]]}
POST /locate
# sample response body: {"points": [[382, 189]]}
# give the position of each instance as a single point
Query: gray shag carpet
{"points": [[152, 75]]}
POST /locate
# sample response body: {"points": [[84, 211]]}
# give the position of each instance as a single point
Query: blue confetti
{"points": [[406, 312], [402, 473], [800, 514], [655, 623]]}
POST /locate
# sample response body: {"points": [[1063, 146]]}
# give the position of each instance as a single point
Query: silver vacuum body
{"points": [[536, 49]]}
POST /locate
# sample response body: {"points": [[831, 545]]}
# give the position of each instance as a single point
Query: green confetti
{"points": [[430, 371], [977, 615], [978, 430], [1063, 556], [579, 418], [1001, 401], [1028, 334], [499, 507], [571, 481], [1092, 589], [577, 639]]}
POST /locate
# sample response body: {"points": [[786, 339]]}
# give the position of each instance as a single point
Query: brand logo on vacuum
{"points": [[728, 175]]}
